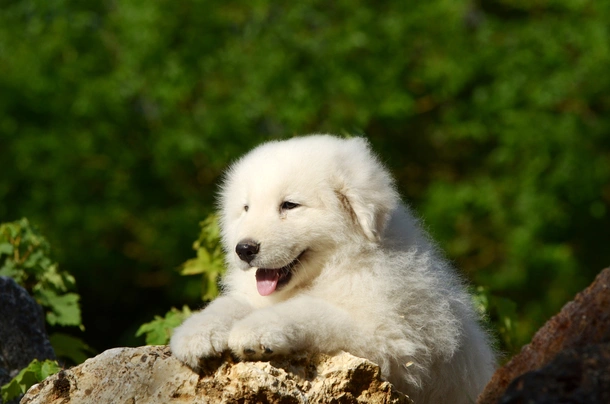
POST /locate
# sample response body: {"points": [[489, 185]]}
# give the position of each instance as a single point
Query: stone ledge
{"points": [[150, 374]]}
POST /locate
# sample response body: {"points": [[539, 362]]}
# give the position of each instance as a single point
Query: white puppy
{"points": [[322, 256]]}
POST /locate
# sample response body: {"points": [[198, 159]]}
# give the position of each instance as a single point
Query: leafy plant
{"points": [[159, 331], [24, 256], [210, 258], [72, 348], [34, 373], [209, 263]]}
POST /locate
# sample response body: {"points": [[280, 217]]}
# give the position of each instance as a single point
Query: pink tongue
{"points": [[266, 281]]}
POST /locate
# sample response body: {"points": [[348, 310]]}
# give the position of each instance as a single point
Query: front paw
{"points": [[260, 336], [196, 340]]}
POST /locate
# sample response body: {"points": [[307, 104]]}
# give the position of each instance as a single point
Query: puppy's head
{"points": [[288, 206]]}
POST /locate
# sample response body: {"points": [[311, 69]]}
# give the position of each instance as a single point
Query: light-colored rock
{"points": [[151, 375]]}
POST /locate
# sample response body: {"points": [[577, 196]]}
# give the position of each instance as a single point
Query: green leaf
{"points": [[36, 261], [210, 258], [192, 267], [60, 281], [64, 308], [71, 348], [34, 373], [6, 248], [11, 390], [210, 284], [9, 270], [159, 331]]}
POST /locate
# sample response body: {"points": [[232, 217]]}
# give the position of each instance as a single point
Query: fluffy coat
{"points": [[323, 256]]}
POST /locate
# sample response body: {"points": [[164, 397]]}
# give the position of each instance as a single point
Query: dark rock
{"points": [[583, 322], [22, 330], [578, 376]]}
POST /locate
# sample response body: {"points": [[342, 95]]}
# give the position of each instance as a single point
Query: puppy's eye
{"points": [[288, 205], [246, 207]]}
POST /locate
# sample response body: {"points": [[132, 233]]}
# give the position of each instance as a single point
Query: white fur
{"points": [[370, 282]]}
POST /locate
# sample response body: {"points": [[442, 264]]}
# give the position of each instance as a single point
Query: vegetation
{"points": [[209, 265], [159, 330], [25, 257], [117, 119], [35, 372], [209, 262]]}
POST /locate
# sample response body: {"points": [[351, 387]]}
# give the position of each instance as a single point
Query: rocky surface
{"points": [[580, 375], [22, 332], [580, 330], [151, 375]]}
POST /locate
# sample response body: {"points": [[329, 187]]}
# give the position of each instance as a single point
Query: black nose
{"points": [[247, 250]]}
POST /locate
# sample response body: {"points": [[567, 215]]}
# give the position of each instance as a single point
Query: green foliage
{"points": [[501, 314], [159, 331], [209, 263], [34, 373], [24, 256], [116, 119], [210, 258], [71, 348]]}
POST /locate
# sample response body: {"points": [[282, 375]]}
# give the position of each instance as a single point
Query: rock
{"points": [[580, 375], [582, 322], [22, 332], [151, 375]]}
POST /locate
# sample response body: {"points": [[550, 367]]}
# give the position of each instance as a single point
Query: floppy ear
{"points": [[370, 217], [366, 188]]}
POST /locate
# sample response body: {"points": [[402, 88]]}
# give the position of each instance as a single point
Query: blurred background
{"points": [[117, 119]]}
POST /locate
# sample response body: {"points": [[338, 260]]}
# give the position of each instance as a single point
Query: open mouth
{"points": [[268, 280]]}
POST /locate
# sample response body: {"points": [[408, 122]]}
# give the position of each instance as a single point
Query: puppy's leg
{"points": [[303, 323], [205, 334]]}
